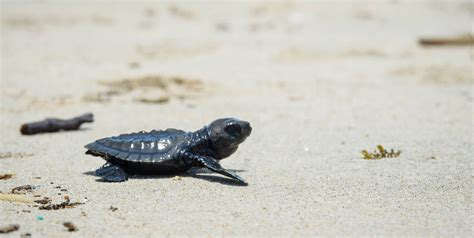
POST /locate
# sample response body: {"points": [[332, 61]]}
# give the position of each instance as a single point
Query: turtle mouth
{"points": [[226, 153]]}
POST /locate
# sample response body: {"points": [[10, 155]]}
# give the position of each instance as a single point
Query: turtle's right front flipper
{"points": [[111, 173], [213, 165]]}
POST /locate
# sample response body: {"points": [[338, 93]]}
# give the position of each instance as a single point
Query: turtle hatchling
{"points": [[170, 151]]}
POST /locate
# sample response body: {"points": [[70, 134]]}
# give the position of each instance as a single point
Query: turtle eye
{"points": [[233, 130]]}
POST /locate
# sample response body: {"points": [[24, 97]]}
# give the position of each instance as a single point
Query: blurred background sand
{"points": [[319, 82]]}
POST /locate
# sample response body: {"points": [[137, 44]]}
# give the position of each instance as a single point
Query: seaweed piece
{"points": [[55, 125], [9, 228], [70, 227], [66, 204], [45, 200], [380, 153]]}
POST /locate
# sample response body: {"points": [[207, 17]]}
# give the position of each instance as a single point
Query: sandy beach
{"points": [[319, 82]]}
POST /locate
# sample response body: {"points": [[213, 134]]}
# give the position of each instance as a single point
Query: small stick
{"points": [[447, 41], [9, 228], [54, 124]]}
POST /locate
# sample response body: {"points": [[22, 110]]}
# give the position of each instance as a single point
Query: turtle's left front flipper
{"points": [[213, 165]]}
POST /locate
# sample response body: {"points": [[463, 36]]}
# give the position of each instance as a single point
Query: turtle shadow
{"points": [[90, 173], [195, 170], [217, 179], [211, 178], [195, 173]]}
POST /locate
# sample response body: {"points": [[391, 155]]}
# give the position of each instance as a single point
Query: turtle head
{"points": [[226, 134]]}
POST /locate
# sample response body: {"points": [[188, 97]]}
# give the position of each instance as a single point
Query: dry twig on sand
{"points": [[54, 125], [447, 41]]}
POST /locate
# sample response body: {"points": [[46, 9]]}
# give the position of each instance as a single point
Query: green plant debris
{"points": [[380, 153]]}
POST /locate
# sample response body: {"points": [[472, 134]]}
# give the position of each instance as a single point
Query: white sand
{"points": [[319, 83]]}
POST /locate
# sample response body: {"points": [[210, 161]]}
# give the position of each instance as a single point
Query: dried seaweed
{"points": [[380, 153], [47, 205], [45, 200]]}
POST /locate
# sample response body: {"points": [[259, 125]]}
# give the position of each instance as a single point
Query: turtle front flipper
{"points": [[111, 173], [213, 165]]}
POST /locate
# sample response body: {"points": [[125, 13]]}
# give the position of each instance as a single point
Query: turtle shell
{"points": [[142, 147]]}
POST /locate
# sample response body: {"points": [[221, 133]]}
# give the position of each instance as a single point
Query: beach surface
{"points": [[319, 82]]}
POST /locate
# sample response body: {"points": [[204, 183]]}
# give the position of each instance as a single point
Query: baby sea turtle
{"points": [[170, 151]]}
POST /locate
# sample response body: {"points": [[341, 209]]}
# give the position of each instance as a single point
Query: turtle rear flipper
{"points": [[111, 173]]}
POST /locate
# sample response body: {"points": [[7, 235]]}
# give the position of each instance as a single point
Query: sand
{"points": [[319, 82]]}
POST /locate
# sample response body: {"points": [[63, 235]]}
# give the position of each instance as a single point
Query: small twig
{"points": [[54, 125], [9, 228], [447, 41], [6, 176]]}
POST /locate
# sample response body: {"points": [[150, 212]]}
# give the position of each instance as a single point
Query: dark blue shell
{"points": [[142, 147]]}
